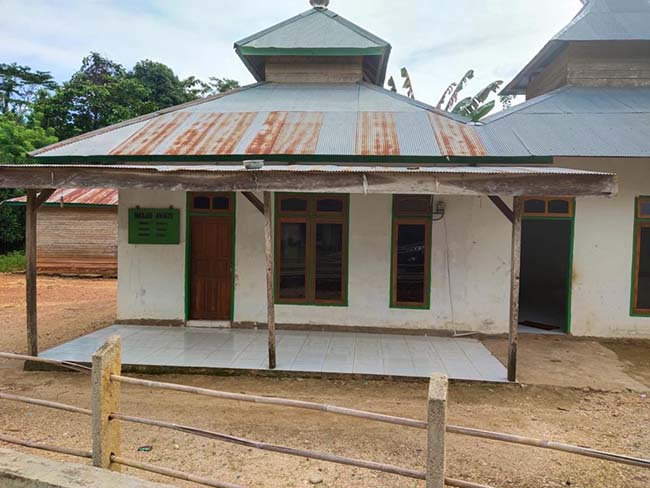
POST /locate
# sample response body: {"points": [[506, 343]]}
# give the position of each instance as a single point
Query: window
{"points": [[211, 202], [548, 207], [641, 275], [411, 251], [311, 249]]}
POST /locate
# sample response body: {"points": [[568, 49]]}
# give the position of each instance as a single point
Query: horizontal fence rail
{"points": [[281, 402], [172, 473], [45, 447], [386, 468]]}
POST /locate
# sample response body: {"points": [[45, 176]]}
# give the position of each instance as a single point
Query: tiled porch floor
{"points": [[297, 351]]}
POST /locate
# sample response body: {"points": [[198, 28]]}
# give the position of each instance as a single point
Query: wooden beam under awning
{"points": [[534, 181], [34, 201]]}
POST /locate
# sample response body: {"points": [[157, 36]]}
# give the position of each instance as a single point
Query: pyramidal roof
{"points": [[316, 32], [599, 20]]}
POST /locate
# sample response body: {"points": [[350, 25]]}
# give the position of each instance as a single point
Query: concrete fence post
{"points": [[437, 418], [106, 401]]}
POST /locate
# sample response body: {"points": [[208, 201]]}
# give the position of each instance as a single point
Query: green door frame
{"points": [[188, 238], [569, 278]]}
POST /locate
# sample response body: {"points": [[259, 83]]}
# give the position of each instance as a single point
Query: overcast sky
{"points": [[438, 40]]}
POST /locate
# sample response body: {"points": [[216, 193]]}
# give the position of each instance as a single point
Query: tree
{"points": [[165, 88], [213, 86], [98, 95], [16, 140], [19, 86], [475, 107]]}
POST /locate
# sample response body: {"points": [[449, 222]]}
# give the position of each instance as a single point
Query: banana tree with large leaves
{"points": [[476, 107]]}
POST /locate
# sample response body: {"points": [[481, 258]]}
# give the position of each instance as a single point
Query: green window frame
{"points": [[309, 214], [411, 210], [641, 227]]}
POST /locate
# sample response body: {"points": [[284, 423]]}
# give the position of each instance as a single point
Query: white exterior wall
{"points": [[603, 249], [474, 235], [151, 278], [477, 234]]}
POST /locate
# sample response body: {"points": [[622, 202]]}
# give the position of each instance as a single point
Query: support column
{"points": [[34, 201], [270, 295], [436, 430], [30, 273], [515, 278], [107, 360]]}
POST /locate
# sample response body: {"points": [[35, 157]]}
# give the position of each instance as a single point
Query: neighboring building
{"points": [[381, 212], [77, 232]]}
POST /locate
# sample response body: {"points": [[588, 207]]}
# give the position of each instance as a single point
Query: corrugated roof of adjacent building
{"points": [[575, 121], [599, 20], [78, 196]]}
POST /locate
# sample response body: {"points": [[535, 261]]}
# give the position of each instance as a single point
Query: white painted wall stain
{"points": [[470, 264], [151, 278]]}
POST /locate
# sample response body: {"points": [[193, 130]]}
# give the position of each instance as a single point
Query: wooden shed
{"points": [[77, 232]]}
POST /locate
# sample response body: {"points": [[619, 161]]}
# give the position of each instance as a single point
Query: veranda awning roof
{"points": [[440, 180]]}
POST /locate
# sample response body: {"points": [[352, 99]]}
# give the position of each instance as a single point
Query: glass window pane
{"points": [[411, 257], [535, 206], [643, 287], [293, 244], [202, 203], [414, 204], [329, 205], [329, 262], [220, 203], [644, 209], [558, 207], [293, 205]]}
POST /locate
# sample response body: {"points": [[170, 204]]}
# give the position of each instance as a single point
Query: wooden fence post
{"points": [[106, 401], [437, 419]]}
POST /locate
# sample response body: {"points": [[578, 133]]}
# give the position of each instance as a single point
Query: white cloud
{"points": [[438, 40]]}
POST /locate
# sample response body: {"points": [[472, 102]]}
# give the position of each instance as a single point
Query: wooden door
{"points": [[211, 263]]}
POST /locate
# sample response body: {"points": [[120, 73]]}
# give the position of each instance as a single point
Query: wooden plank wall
{"points": [[298, 69], [591, 64], [77, 241]]}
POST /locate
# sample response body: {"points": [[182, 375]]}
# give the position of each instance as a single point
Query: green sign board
{"points": [[154, 226]]}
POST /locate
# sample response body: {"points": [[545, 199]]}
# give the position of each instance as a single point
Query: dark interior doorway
{"points": [[544, 298]]}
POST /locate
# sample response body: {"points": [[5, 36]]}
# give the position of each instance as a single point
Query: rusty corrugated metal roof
{"points": [[337, 120], [79, 196]]}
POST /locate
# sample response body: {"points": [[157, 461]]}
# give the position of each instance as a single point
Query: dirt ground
{"points": [[613, 414]]}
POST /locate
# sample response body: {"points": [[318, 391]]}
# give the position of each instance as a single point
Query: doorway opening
{"points": [[546, 265], [211, 249]]}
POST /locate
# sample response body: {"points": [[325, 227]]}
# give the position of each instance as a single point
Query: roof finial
{"points": [[319, 4]]}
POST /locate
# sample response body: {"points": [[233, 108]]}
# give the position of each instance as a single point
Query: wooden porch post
{"points": [[30, 273], [515, 276], [270, 295], [34, 201]]}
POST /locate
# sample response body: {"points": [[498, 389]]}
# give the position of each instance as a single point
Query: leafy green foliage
{"points": [[16, 140], [474, 108], [213, 86], [98, 95], [19, 87], [35, 111], [165, 89], [12, 262]]}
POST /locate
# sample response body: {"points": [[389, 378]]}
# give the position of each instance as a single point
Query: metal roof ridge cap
{"points": [[358, 29], [524, 105], [416, 103], [141, 118], [272, 28]]}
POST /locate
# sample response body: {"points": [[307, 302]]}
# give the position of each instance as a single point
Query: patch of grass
{"points": [[12, 262]]}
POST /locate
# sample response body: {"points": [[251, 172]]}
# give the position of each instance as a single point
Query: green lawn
{"points": [[12, 262]]}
